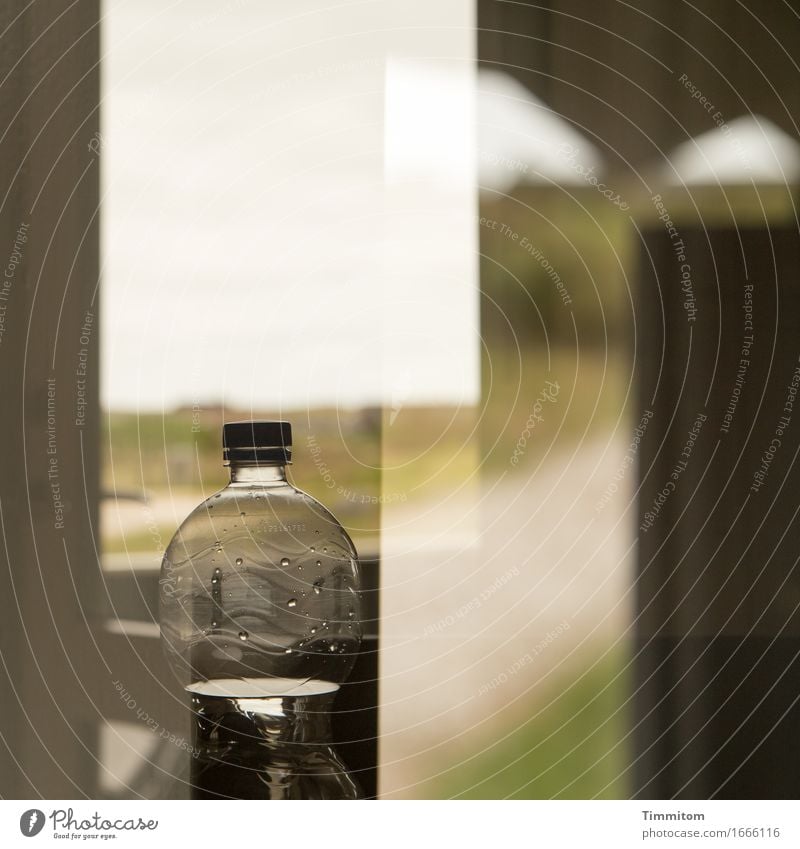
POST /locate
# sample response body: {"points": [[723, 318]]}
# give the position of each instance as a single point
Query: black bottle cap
{"points": [[257, 442]]}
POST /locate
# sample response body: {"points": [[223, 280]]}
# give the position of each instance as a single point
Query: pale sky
{"points": [[279, 226]]}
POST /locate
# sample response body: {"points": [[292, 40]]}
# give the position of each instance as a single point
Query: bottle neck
{"points": [[258, 473]]}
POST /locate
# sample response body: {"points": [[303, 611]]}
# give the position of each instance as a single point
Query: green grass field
{"points": [[570, 742], [339, 454]]}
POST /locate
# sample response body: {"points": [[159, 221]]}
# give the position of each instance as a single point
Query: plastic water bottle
{"points": [[260, 616]]}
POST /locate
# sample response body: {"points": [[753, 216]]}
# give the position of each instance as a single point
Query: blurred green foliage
{"points": [[595, 390], [570, 743], [557, 269]]}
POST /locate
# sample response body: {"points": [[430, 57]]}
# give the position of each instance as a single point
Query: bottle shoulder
{"points": [[319, 509], [280, 514]]}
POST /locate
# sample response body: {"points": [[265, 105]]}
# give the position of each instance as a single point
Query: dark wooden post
{"points": [[718, 584]]}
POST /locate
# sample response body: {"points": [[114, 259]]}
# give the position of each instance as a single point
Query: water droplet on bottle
{"points": [[324, 624], [243, 635], [332, 647], [288, 651], [312, 548], [313, 630], [324, 548], [214, 623], [351, 614], [285, 562], [243, 513], [318, 586], [239, 561], [292, 602], [319, 563]]}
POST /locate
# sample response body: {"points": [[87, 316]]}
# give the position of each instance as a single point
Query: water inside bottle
{"points": [[266, 738]]}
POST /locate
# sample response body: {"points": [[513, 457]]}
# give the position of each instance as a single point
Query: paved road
{"points": [[490, 599]]}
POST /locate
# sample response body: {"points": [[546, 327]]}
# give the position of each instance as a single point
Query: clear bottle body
{"points": [[260, 617], [261, 581]]}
